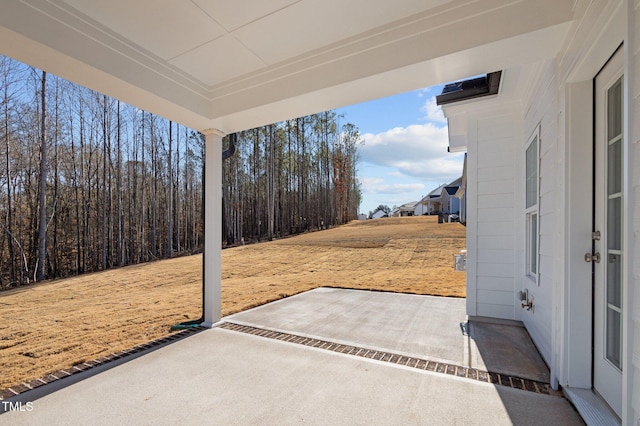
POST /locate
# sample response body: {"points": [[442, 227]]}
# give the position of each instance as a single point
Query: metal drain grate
{"points": [[413, 362]]}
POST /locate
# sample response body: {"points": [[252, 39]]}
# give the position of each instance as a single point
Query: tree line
{"points": [[291, 177], [88, 182]]}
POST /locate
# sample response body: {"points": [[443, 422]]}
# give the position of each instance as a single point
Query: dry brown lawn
{"points": [[57, 324]]}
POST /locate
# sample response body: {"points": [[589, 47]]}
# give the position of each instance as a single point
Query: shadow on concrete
{"points": [[508, 349]]}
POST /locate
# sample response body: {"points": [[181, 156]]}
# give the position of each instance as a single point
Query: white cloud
{"points": [[433, 111], [404, 163], [423, 92], [418, 151]]}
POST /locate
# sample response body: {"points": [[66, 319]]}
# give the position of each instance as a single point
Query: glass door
{"points": [[608, 256]]}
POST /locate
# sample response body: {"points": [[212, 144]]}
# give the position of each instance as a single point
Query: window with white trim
{"points": [[532, 155]]}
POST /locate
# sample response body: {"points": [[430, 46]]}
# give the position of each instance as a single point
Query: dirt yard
{"points": [[54, 325]]}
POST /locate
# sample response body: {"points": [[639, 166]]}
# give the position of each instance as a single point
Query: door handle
{"points": [[595, 257]]}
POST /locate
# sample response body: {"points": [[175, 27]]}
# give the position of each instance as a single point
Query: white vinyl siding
{"points": [[540, 122], [491, 218]]}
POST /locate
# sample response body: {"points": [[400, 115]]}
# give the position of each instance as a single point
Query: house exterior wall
{"points": [[446, 202], [604, 27], [463, 209], [555, 100], [561, 103], [463, 188], [453, 204], [433, 206], [491, 243], [541, 117]]}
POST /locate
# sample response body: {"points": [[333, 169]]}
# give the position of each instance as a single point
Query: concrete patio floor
{"points": [[327, 356]]}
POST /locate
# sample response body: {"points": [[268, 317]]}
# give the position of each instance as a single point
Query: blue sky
{"points": [[404, 155]]}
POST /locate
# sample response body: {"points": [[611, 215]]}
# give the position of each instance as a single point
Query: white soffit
{"points": [[309, 25], [238, 64], [502, 55], [238, 13], [218, 61], [165, 28]]}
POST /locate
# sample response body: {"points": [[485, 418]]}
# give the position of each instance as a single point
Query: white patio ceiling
{"points": [[233, 65]]}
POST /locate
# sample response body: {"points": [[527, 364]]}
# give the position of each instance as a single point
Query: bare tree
{"points": [[270, 184], [42, 199], [170, 196], [6, 73], [113, 192], [119, 189]]}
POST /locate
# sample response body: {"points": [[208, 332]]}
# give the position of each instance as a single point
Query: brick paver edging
{"points": [[413, 362], [61, 374]]}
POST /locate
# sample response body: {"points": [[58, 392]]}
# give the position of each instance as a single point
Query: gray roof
{"points": [[451, 190]]}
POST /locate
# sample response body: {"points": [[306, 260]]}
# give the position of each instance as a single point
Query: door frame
{"points": [[600, 173], [572, 332]]}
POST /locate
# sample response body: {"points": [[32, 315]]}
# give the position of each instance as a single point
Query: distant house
{"points": [[448, 200], [378, 214], [420, 209], [449, 203], [431, 201], [404, 210], [461, 193], [442, 199], [362, 216]]}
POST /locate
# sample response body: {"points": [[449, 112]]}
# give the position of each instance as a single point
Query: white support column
{"points": [[212, 257]]}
